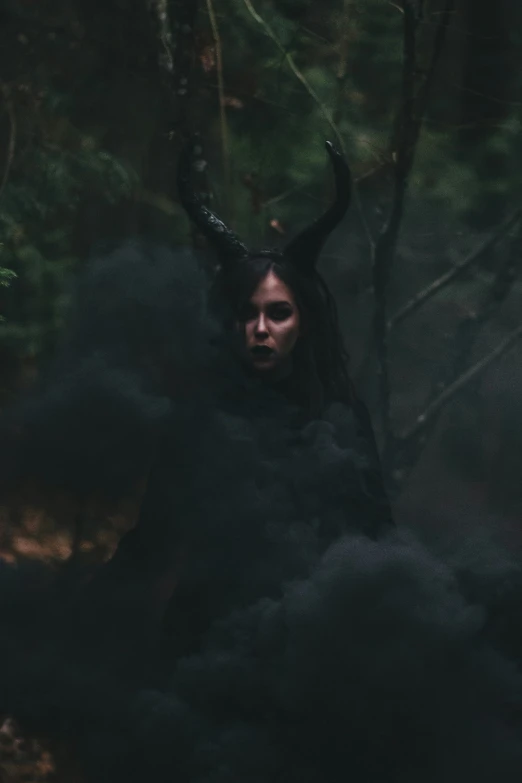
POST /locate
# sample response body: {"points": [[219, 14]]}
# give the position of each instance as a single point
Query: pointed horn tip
{"points": [[332, 150], [337, 158]]}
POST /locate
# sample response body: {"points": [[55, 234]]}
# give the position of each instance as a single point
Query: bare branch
{"points": [[492, 98], [405, 452], [385, 247], [438, 45], [295, 70], [408, 127], [471, 326], [450, 391], [444, 280], [327, 114]]}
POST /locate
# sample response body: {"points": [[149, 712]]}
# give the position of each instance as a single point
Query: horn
{"points": [[225, 242], [304, 249]]}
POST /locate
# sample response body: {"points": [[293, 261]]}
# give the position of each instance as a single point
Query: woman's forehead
{"points": [[272, 288]]}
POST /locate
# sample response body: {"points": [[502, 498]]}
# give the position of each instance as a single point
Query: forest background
{"points": [[425, 100]]}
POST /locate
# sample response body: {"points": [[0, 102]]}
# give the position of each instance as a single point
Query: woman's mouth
{"points": [[262, 352]]}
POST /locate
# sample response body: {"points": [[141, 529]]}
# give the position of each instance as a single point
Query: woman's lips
{"points": [[262, 352]]}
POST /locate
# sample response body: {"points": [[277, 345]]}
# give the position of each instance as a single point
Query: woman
{"points": [[283, 320], [305, 453], [303, 429], [258, 472]]}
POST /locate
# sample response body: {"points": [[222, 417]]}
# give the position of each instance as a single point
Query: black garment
{"points": [[244, 495]]}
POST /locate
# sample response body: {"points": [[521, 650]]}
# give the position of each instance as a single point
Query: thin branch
{"points": [[221, 92], [438, 45], [492, 98], [450, 391], [281, 197], [470, 327], [371, 172], [343, 46], [408, 128], [295, 70], [385, 248], [11, 144], [322, 108], [444, 280], [406, 452]]}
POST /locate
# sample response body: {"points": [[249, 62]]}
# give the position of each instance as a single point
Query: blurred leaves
{"points": [[6, 275], [95, 151]]}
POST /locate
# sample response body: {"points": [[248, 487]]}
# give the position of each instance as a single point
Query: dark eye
{"points": [[280, 312]]}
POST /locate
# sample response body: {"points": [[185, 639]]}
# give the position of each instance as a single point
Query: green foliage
{"points": [[90, 108], [350, 56], [38, 212], [6, 276]]}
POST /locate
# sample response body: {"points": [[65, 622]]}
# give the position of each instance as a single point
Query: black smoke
{"points": [[252, 627], [137, 334]]}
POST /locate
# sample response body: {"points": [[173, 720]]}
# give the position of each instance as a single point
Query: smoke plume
{"points": [[250, 629]]}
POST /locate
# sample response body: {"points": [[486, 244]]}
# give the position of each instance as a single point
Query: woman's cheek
{"points": [[286, 339]]}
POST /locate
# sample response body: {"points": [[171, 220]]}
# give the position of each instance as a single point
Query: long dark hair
{"points": [[320, 360]]}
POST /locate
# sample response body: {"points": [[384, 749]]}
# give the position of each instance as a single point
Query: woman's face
{"points": [[270, 323]]}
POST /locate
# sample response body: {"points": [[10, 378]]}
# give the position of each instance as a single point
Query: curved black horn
{"points": [[225, 242], [304, 249]]}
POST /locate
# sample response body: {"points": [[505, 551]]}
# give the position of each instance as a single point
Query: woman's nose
{"points": [[261, 326]]}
